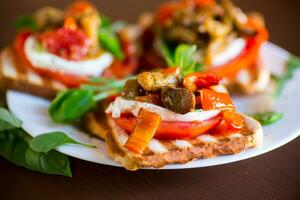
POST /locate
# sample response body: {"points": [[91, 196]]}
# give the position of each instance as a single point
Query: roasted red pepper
{"points": [[249, 55], [211, 100], [199, 80], [143, 132]]}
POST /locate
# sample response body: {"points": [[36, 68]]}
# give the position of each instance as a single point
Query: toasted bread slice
{"points": [[15, 76], [162, 152], [95, 125]]}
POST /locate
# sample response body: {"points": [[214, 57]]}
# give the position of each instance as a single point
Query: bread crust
{"points": [[252, 136], [15, 76]]}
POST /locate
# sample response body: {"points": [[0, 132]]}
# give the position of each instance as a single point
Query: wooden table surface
{"points": [[275, 175]]}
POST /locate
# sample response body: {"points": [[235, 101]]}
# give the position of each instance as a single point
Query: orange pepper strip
{"points": [[214, 100], [233, 119], [70, 23], [171, 70], [144, 131], [248, 57]]}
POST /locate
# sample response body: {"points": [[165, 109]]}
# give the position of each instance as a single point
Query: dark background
{"points": [[275, 175]]}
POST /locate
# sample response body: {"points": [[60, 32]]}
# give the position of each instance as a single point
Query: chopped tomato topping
{"points": [[214, 100], [233, 119], [199, 80], [172, 130], [66, 43], [144, 130]]}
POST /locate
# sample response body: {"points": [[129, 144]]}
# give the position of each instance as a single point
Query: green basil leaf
{"points": [[50, 141], [8, 121], [267, 118], [105, 22], [167, 53], [109, 40], [70, 105], [291, 66], [15, 148], [26, 22], [51, 162], [183, 56]]}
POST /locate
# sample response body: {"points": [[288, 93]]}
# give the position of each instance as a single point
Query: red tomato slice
{"points": [[223, 130], [117, 70], [68, 79], [214, 100], [19, 46], [172, 130]]}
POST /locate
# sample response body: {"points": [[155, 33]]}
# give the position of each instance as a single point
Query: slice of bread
{"points": [[162, 152], [15, 76]]}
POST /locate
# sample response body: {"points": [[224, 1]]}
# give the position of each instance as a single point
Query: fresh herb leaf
{"points": [[108, 86], [8, 121], [267, 118], [291, 66], [101, 80], [14, 146], [26, 22], [70, 105], [105, 22], [49, 141], [108, 38], [167, 53], [181, 57]]}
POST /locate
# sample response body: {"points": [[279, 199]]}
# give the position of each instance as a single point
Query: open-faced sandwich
{"points": [[227, 40], [56, 49], [164, 118]]}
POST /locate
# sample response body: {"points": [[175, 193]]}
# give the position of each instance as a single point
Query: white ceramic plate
{"points": [[33, 112]]}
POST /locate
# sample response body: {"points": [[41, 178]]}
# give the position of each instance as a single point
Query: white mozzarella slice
{"points": [[121, 105], [45, 60]]}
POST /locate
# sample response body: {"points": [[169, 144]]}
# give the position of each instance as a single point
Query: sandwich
{"points": [[164, 118], [58, 49], [228, 41]]}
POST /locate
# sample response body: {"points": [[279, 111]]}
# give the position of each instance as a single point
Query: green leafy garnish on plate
{"points": [[267, 118], [71, 105], [8, 121], [14, 147], [291, 66], [49, 141]]}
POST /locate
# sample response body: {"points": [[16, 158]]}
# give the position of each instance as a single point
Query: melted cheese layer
{"points": [[121, 105], [232, 51], [45, 60]]}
